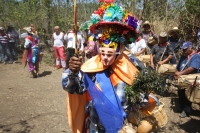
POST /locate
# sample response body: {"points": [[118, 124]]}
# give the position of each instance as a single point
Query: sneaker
{"points": [[183, 114], [37, 74], [10, 62], [4, 63]]}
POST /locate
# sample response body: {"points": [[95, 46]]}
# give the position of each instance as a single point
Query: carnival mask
{"points": [[107, 56]]}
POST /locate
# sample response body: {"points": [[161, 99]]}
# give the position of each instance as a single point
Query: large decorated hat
{"points": [[112, 24]]}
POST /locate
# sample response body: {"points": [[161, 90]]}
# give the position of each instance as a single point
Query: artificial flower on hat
{"points": [[131, 21], [107, 1], [109, 13], [100, 11], [115, 25], [95, 18]]}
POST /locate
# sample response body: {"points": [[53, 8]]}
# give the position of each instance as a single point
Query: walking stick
{"points": [[75, 28], [73, 51]]}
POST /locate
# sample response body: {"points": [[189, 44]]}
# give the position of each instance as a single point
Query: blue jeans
{"points": [[4, 49]]}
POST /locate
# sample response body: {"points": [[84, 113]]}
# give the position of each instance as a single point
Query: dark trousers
{"points": [[4, 50], [13, 49], [67, 58], [183, 101]]}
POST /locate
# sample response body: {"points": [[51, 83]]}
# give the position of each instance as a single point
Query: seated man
{"points": [[189, 63]]}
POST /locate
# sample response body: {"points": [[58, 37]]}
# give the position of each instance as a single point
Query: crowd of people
{"points": [[9, 40]]}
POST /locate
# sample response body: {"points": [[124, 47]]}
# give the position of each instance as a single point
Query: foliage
{"points": [[189, 19], [45, 14], [147, 81]]}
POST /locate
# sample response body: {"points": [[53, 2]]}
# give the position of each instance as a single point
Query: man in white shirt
{"points": [[138, 47], [58, 45], [70, 39]]}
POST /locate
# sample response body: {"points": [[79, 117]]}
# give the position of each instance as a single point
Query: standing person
{"points": [[4, 48], [147, 31], [13, 42], [58, 45], [33, 29], [162, 52], [70, 39], [189, 63], [175, 42], [96, 88], [31, 53]]}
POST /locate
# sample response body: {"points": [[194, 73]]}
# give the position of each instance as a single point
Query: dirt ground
{"points": [[38, 105]]}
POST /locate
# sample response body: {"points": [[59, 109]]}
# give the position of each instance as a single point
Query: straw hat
{"points": [[1, 28], [175, 29], [152, 40], [163, 34], [146, 23], [29, 30]]}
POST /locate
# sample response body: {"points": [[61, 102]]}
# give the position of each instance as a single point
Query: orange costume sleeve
{"points": [[76, 111]]}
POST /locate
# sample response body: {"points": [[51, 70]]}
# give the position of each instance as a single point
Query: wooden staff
{"points": [[75, 28]]}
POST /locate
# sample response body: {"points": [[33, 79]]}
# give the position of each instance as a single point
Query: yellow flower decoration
{"points": [[127, 13], [106, 5], [105, 35]]}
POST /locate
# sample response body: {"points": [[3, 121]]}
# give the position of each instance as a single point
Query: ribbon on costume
{"points": [[106, 102]]}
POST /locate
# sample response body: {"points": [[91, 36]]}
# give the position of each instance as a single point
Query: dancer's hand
{"points": [[75, 63]]}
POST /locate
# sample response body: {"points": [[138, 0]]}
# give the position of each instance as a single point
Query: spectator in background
{"points": [[58, 45], [175, 42], [4, 49], [70, 39], [148, 32], [13, 42]]}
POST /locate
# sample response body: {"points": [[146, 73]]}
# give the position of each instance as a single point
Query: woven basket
{"points": [[144, 58], [167, 69], [160, 117]]}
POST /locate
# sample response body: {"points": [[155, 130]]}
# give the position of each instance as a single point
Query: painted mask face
{"points": [[108, 56]]}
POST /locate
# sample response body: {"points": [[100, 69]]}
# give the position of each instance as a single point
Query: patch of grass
{"points": [[48, 58]]}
